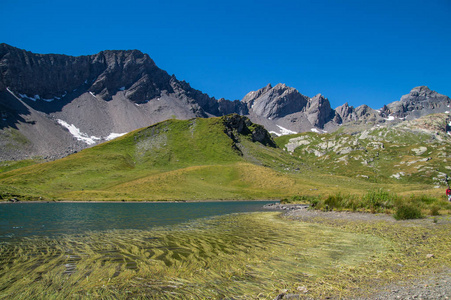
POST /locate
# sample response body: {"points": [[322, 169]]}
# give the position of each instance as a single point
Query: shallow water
{"points": [[239, 256], [49, 219]]}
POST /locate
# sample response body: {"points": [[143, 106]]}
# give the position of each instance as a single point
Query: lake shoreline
{"points": [[137, 201]]}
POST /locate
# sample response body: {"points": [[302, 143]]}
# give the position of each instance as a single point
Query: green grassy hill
{"points": [[216, 158], [231, 158]]}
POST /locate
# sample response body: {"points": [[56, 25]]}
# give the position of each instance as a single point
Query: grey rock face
{"points": [[283, 110], [47, 75], [130, 70], [103, 74], [345, 113], [319, 111], [275, 102], [252, 96], [419, 102]]}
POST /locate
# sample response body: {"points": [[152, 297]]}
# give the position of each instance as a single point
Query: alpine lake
{"points": [[197, 250]]}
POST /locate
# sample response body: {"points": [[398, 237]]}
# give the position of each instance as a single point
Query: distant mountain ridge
{"points": [[52, 105]]}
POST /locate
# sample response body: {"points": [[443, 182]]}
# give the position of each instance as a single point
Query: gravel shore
{"points": [[435, 286]]}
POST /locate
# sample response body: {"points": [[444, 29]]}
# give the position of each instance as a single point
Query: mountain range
{"points": [[52, 105]]}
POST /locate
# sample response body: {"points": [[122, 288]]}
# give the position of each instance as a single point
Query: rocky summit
{"points": [[52, 105], [419, 102]]}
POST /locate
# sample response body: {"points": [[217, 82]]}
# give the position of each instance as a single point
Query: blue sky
{"points": [[360, 52]]}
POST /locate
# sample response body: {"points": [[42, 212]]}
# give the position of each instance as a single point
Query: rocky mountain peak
{"points": [[364, 111], [133, 71], [251, 96], [420, 101], [281, 87], [104, 74], [275, 102], [421, 91], [344, 113], [319, 111]]}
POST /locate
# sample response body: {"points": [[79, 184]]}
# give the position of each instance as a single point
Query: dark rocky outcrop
{"points": [[236, 125], [47, 75]]}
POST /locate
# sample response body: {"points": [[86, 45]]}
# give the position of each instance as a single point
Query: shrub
{"points": [[351, 202], [435, 210], [334, 201], [314, 201], [300, 199], [379, 200], [285, 201], [407, 211]]}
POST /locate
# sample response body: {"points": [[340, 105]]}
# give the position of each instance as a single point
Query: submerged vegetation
{"points": [[241, 256], [419, 249]]}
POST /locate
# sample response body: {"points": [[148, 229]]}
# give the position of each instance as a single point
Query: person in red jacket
{"points": [[448, 193]]}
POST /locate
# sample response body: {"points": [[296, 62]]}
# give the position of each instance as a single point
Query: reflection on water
{"points": [[237, 256]]}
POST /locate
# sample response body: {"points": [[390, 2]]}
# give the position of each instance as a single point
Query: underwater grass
{"points": [[242, 256], [419, 248]]}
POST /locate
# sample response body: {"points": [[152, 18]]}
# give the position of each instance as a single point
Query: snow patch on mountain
{"points": [[34, 98], [113, 135], [81, 136], [283, 131], [37, 97]]}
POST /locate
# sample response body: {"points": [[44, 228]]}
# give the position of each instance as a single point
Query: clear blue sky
{"points": [[360, 52]]}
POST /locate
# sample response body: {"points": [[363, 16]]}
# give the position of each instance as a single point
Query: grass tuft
{"points": [[407, 211]]}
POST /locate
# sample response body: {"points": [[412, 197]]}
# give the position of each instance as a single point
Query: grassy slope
{"points": [[386, 156], [173, 160], [196, 160], [6, 166]]}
